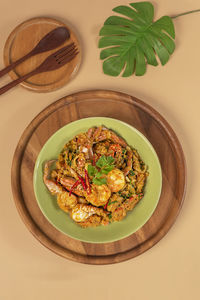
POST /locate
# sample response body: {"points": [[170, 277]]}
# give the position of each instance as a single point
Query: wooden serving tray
{"points": [[105, 104], [23, 39]]}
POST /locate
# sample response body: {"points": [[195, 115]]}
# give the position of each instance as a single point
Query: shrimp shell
{"points": [[116, 180], [52, 186], [66, 202], [82, 211], [99, 195], [68, 182]]}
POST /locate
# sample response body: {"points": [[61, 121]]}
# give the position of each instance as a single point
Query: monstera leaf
{"points": [[133, 41]]}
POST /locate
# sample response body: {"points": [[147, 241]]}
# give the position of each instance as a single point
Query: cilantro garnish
{"points": [[105, 161], [99, 181], [105, 164], [92, 170]]}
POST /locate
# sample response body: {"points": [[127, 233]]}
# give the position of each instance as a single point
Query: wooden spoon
{"points": [[50, 41], [52, 62]]}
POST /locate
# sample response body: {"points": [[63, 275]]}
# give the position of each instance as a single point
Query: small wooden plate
{"points": [[95, 104], [23, 39]]}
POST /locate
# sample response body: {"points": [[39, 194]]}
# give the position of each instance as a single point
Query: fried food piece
{"points": [[66, 201], [99, 195], [115, 180], [82, 212], [52, 185]]}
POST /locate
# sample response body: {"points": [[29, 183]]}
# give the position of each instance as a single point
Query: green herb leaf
{"points": [[92, 170], [107, 169], [110, 160], [98, 175], [104, 161], [132, 41], [99, 181], [131, 173], [101, 162], [105, 165]]}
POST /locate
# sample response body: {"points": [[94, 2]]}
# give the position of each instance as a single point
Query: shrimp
{"points": [[52, 185], [97, 133], [118, 140], [84, 142], [86, 150], [82, 200], [66, 201], [102, 133], [127, 169], [78, 163], [72, 172], [68, 183], [99, 195], [115, 149], [115, 180], [90, 132], [81, 212]]}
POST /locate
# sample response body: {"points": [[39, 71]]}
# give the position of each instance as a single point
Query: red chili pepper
{"points": [[105, 206], [82, 182], [73, 186], [87, 182]]}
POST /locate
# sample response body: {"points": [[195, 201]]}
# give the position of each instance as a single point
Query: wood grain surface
{"points": [[23, 39], [105, 104]]}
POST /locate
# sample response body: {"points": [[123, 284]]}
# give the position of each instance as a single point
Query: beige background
{"points": [[171, 269]]}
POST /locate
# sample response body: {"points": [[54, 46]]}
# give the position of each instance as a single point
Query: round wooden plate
{"points": [[23, 39], [106, 104]]}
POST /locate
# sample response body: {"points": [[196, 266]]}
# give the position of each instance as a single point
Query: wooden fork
{"points": [[52, 62]]}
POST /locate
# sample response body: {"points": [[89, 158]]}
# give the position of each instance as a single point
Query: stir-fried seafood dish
{"points": [[98, 178]]}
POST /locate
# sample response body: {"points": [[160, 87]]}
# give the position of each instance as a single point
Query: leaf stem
{"points": [[185, 13]]}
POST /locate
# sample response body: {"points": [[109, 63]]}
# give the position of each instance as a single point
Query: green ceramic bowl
{"points": [[135, 219]]}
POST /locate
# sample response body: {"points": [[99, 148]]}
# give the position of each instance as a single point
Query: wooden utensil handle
{"points": [[14, 64], [17, 81]]}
